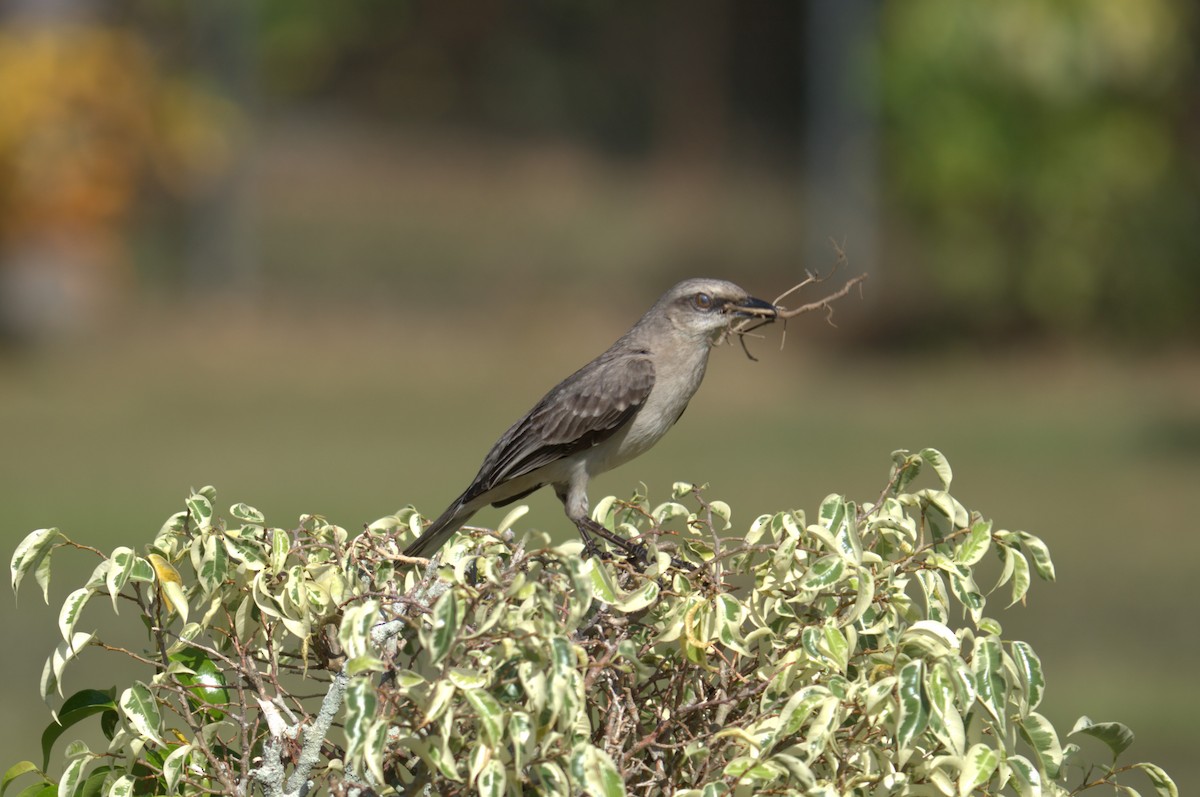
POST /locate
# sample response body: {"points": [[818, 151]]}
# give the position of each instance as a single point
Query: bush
{"points": [[850, 655]]}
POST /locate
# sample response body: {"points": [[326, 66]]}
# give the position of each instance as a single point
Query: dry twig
{"points": [[746, 326]]}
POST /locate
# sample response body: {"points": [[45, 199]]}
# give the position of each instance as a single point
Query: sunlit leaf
{"points": [[141, 711], [913, 714], [1164, 786], [1116, 735], [1040, 735], [33, 554]]}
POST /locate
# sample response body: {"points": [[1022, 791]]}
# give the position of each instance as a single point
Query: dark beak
{"points": [[751, 307]]}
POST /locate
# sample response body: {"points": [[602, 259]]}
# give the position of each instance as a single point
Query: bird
{"points": [[606, 413]]}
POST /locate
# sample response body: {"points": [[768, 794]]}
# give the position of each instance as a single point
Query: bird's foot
{"points": [[590, 530], [637, 554], [592, 548]]}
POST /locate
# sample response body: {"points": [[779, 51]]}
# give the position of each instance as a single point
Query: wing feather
{"points": [[582, 411]]}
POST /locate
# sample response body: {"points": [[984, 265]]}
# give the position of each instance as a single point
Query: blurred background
{"points": [[320, 256]]}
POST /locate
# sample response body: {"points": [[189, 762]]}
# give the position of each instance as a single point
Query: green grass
{"points": [[352, 415]]}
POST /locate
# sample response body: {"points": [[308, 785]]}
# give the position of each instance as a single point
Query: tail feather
{"points": [[440, 530]]}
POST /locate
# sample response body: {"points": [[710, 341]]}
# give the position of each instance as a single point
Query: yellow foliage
{"points": [[88, 117]]}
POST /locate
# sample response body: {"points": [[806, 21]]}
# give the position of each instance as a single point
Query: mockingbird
{"points": [[606, 413]]}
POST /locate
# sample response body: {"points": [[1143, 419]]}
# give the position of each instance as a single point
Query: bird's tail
{"points": [[435, 536]]}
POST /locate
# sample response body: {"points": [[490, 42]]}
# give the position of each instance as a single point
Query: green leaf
{"points": [[976, 544], [520, 731], [913, 715], [824, 572], [281, 546], [492, 779], [1040, 735], [172, 768], [46, 789], [599, 775], [603, 586], [835, 647], [214, 564], [74, 709], [31, 554], [550, 779], [121, 787], [968, 594], [1020, 575], [52, 672], [1029, 668], [937, 600], [354, 634], [247, 551], [1025, 774], [439, 699], [638, 599], [945, 720], [71, 609], [1163, 785], [141, 711], [939, 463], [1039, 553], [247, 514], [16, 771], [200, 511], [439, 637], [491, 715], [71, 776], [988, 668], [1116, 735], [119, 571], [361, 706], [979, 764]]}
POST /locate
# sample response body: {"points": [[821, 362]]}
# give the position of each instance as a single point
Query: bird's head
{"points": [[706, 308]]}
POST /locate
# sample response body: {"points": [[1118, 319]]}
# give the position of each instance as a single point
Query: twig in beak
{"points": [[747, 325]]}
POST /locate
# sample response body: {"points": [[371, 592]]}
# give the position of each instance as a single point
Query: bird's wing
{"points": [[583, 410]]}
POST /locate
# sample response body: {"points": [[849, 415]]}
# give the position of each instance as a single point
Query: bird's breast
{"points": [[675, 382]]}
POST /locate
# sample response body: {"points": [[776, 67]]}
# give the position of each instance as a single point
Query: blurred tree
{"points": [[87, 121], [1043, 163]]}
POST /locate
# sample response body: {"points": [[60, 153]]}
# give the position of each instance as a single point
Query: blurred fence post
{"points": [[841, 141], [222, 256]]}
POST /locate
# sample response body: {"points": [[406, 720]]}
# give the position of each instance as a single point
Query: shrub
{"points": [[849, 655]]}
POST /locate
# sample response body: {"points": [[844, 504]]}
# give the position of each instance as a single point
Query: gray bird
{"points": [[606, 413]]}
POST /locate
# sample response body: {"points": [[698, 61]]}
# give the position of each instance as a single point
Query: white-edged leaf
{"points": [[121, 568], [1041, 736], [913, 714], [71, 776], [492, 780], [141, 711], [979, 764], [71, 609], [594, 768], [1116, 735], [173, 766], [247, 514], [32, 554], [1163, 785], [63, 653], [935, 459], [490, 713], [121, 787], [1033, 681]]}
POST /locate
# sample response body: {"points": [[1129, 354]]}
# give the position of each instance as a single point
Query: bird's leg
{"points": [[590, 546], [575, 504]]}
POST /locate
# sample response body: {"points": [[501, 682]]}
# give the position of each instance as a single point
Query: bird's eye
{"points": [[702, 301]]}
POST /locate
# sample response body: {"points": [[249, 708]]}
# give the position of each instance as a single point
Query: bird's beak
{"points": [[751, 307]]}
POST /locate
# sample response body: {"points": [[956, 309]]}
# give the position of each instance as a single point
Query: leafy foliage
{"points": [[850, 655]]}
